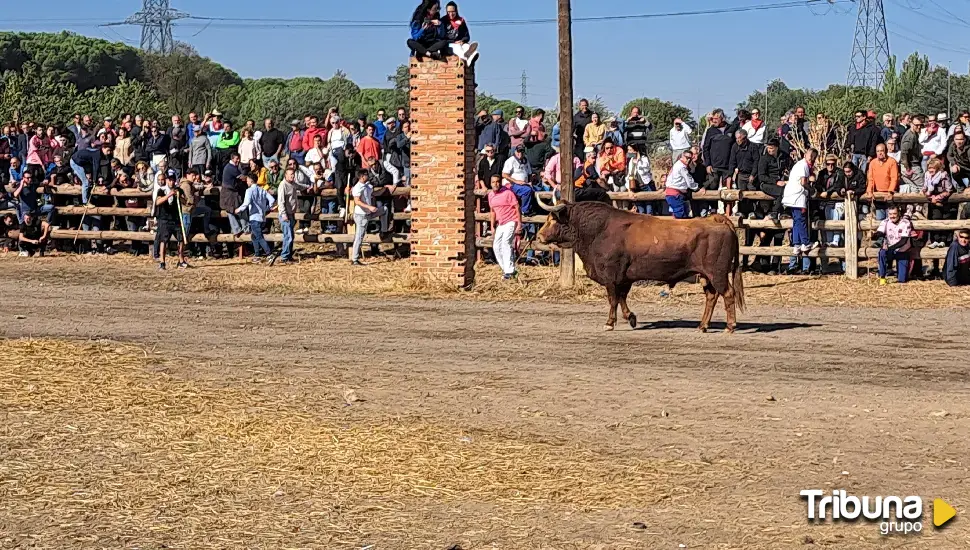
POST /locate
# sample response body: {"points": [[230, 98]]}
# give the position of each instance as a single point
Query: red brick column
{"points": [[442, 170]]}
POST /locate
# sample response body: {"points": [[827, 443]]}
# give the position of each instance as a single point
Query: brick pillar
{"points": [[442, 170]]}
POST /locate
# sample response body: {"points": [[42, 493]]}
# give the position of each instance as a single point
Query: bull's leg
{"points": [[611, 320], [711, 296], [622, 291], [730, 310]]}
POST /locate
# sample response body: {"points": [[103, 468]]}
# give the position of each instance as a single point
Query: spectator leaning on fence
{"points": [[718, 141], [956, 269], [830, 183], [937, 187], [679, 185], [883, 176], [743, 167], [896, 232], [958, 155], [796, 200]]}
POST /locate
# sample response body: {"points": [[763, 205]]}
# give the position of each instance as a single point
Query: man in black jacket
{"points": [[743, 168], [863, 138], [718, 141], [771, 175], [580, 120]]}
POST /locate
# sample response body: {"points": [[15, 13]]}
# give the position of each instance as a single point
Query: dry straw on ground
{"points": [[100, 448], [392, 278]]}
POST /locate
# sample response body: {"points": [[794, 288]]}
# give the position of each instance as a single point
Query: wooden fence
{"points": [[852, 226]]}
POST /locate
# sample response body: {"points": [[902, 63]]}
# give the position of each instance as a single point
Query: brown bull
{"points": [[619, 248]]}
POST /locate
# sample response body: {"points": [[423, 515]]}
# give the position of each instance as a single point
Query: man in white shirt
{"points": [[932, 141], [679, 139], [365, 209], [796, 199], [517, 169], [679, 185]]}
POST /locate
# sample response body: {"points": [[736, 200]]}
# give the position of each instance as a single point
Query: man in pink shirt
{"points": [[506, 222]]}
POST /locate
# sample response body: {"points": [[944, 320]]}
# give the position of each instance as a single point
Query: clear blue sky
{"points": [[697, 61]]}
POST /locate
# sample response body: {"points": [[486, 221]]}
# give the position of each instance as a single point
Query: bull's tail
{"points": [[737, 284], [737, 278]]}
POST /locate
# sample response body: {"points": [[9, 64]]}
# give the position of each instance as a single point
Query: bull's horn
{"points": [[548, 207]]}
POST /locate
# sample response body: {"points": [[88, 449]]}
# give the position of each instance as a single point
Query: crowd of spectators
{"points": [[184, 161], [916, 154]]}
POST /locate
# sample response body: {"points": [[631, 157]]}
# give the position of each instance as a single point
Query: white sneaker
{"points": [[343, 212], [796, 251], [23, 254], [300, 231], [806, 248]]}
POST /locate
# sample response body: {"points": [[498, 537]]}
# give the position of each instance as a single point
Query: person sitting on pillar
{"points": [[456, 31], [771, 176], [956, 270], [34, 234], [896, 232], [428, 33]]}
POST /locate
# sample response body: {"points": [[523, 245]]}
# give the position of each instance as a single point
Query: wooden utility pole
{"points": [[567, 274]]}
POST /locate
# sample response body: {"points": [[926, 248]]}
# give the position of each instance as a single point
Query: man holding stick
{"points": [[168, 220]]}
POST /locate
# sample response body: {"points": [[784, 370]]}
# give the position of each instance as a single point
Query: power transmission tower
{"points": [[525, 89], [156, 18], [870, 47]]}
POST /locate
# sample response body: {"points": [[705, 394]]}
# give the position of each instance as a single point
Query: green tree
{"points": [[32, 95], [85, 62], [187, 81], [128, 96]]}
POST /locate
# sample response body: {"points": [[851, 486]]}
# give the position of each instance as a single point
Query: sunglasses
{"points": [[829, 164]]}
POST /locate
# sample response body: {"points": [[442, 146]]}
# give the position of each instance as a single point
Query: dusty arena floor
{"points": [[163, 411]]}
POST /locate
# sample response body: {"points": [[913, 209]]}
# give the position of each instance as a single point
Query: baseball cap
{"points": [[391, 120], [209, 173], [294, 122], [498, 112], [520, 148], [941, 116], [773, 142]]}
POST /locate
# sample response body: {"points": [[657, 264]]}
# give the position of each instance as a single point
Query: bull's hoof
{"points": [[729, 330], [608, 328], [702, 329], [633, 321]]}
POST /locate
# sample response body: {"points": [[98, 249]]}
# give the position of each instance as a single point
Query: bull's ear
{"points": [[561, 215]]}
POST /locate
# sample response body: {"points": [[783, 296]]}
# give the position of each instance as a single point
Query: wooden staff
{"points": [[178, 204]]}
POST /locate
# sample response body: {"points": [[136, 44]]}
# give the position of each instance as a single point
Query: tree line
{"points": [[48, 77]]}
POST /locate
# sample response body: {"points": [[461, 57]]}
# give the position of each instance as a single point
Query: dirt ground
{"points": [[537, 429]]}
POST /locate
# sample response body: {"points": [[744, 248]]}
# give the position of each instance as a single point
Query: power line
{"points": [[924, 42], [338, 23]]}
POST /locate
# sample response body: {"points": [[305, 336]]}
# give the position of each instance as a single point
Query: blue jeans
{"points": [[861, 161], [799, 229], [46, 210], [679, 206], [259, 242], [267, 159], [646, 207], [85, 184], [902, 264], [298, 157], [329, 206], [287, 227]]}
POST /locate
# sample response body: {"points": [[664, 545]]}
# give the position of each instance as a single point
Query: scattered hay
{"points": [[393, 278], [97, 451]]}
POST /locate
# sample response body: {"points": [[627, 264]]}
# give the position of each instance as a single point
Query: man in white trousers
{"points": [[506, 220]]}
